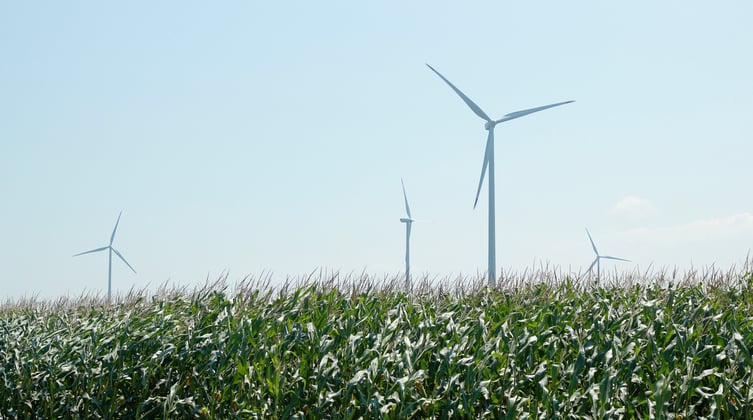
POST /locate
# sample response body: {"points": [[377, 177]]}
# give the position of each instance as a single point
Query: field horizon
{"points": [[543, 272]]}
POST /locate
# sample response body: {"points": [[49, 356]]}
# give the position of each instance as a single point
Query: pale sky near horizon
{"points": [[256, 137]]}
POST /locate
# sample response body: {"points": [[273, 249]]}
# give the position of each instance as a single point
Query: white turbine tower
{"points": [[408, 223], [598, 259], [489, 163], [109, 263]]}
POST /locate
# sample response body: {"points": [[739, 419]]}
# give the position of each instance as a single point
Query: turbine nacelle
{"points": [[405, 220]]}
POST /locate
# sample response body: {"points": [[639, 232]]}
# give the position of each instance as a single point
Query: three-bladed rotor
{"points": [[112, 250], [408, 224], [598, 258], [407, 206], [490, 124]]}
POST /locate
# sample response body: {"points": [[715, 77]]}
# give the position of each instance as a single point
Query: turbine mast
{"points": [[598, 269], [407, 255], [492, 269], [109, 273]]}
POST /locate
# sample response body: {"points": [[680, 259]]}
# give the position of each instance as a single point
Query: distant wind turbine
{"points": [[598, 258], [109, 263], [489, 163], [408, 223]]}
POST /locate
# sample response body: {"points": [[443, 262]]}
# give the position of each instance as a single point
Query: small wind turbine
{"points": [[489, 162], [408, 223], [598, 259], [109, 263]]}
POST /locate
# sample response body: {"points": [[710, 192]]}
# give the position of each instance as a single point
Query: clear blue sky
{"points": [[272, 136]]}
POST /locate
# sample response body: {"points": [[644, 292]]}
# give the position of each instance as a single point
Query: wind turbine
{"points": [[489, 163], [109, 261], [408, 223], [598, 259]]}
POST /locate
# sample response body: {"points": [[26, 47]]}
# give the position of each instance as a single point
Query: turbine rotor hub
{"points": [[490, 125]]}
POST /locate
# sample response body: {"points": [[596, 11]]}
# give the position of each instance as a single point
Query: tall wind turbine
{"points": [[109, 261], [489, 163], [408, 223], [598, 259]]}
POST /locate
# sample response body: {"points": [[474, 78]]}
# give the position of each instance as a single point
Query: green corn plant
{"points": [[360, 347]]}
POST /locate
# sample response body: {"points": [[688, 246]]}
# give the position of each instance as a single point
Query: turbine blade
{"points": [[112, 237], [475, 108], [590, 267], [592, 242], [93, 250], [124, 260], [523, 113], [615, 258], [489, 141], [407, 208]]}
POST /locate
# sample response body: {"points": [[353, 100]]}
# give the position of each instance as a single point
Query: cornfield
{"points": [[333, 349]]}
